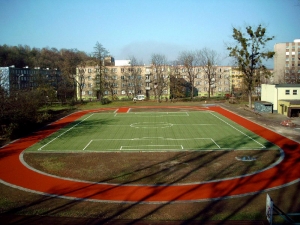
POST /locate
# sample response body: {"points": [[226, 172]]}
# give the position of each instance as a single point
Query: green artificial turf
{"points": [[152, 131]]}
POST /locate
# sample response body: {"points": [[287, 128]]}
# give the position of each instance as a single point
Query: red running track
{"points": [[13, 172]]}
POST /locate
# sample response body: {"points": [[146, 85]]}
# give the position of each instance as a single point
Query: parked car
{"points": [[139, 98]]}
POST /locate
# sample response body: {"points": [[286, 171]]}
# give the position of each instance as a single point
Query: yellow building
{"points": [[124, 81]]}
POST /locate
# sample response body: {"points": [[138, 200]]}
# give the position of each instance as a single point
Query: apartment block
{"points": [[287, 62], [123, 80], [12, 78]]}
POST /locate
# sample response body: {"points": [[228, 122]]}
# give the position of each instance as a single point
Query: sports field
{"points": [[146, 130]]}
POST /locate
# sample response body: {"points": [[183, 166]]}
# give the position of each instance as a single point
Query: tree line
{"points": [[22, 55]]}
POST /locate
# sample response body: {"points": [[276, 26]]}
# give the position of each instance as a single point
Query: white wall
{"points": [[122, 62], [272, 93], [269, 94], [283, 96]]}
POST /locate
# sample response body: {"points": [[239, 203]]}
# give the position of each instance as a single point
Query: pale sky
{"points": [[141, 28]]}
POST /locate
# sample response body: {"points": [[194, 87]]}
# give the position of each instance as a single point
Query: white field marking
{"points": [[64, 132], [215, 143], [151, 125], [155, 114], [200, 124], [143, 138], [151, 138], [87, 145], [139, 147], [117, 149], [239, 130]]}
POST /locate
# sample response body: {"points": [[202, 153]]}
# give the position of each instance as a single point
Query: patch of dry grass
{"points": [[150, 167]]}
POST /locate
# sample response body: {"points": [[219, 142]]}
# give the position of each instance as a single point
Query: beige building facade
{"points": [[287, 62], [124, 81]]}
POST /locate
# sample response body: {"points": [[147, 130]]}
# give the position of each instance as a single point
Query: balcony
{"points": [[147, 80], [147, 88]]}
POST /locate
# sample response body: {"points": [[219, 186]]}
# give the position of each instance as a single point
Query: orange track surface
{"points": [[123, 110], [14, 172]]}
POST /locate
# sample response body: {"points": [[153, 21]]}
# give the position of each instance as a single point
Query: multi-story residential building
{"points": [[123, 80], [12, 78], [237, 84], [287, 62], [219, 80]]}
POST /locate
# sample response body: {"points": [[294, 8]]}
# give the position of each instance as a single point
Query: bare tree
{"points": [[208, 60], [100, 53], [135, 76], [190, 62], [80, 78], [68, 67], [125, 83], [161, 79], [110, 83], [291, 76], [177, 83]]}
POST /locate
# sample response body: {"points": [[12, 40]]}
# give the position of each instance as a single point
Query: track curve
{"points": [[13, 172]]}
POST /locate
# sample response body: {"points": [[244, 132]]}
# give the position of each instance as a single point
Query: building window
{"points": [[122, 70], [287, 92], [295, 92], [89, 70]]}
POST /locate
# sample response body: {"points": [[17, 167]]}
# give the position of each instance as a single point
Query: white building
{"points": [[284, 97]]}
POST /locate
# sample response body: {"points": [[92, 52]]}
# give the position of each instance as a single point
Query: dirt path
{"points": [[13, 172]]}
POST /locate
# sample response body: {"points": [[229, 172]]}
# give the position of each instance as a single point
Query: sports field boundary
{"points": [[13, 172]]}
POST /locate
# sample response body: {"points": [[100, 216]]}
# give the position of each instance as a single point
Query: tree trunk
{"points": [[250, 100], [192, 92]]}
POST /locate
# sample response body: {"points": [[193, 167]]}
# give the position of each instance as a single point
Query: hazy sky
{"points": [[142, 27]]}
